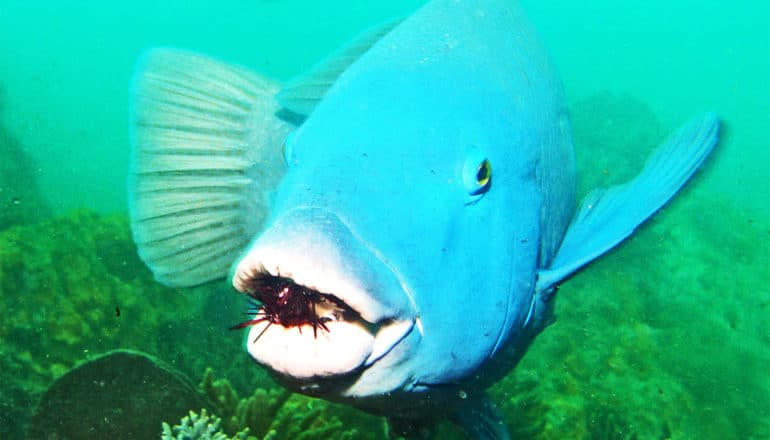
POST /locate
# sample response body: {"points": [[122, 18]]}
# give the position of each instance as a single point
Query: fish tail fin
{"points": [[608, 215], [205, 148]]}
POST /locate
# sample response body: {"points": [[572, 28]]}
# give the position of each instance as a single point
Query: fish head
{"points": [[397, 239]]}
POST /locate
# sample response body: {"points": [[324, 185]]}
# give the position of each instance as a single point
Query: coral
{"points": [[255, 412], [199, 427], [276, 414], [259, 410]]}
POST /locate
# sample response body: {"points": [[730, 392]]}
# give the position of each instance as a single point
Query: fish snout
{"points": [[326, 302]]}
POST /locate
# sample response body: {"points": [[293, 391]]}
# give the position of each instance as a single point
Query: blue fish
{"points": [[401, 215]]}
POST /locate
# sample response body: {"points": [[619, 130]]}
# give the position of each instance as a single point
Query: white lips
{"points": [[345, 347], [304, 355], [346, 344]]}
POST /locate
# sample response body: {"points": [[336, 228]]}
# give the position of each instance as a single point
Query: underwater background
{"points": [[666, 337]]}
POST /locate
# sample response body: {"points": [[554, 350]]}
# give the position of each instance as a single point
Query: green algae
{"points": [[666, 337], [255, 412], [645, 342], [59, 302], [73, 287], [272, 413]]}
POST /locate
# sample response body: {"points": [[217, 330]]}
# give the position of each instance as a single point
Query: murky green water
{"points": [[667, 337]]}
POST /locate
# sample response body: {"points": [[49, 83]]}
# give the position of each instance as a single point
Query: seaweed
{"points": [[255, 412], [72, 287], [666, 337], [277, 414]]}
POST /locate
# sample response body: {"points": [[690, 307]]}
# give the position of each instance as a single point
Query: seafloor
{"points": [[667, 337]]}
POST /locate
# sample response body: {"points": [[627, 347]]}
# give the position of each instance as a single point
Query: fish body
{"points": [[383, 156], [412, 199]]}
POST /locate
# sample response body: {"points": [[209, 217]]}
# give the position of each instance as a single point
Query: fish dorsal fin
{"points": [[206, 146], [302, 94], [608, 215]]}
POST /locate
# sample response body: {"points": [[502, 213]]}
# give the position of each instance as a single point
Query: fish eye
{"points": [[477, 174], [484, 174]]}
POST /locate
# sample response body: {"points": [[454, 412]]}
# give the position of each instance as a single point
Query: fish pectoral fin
{"points": [[482, 420], [302, 94], [206, 148], [608, 215]]}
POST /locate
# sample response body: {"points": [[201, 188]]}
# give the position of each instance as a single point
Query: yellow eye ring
{"points": [[483, 173], [477, 173]]}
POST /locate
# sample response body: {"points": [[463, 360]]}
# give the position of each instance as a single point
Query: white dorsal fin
{"points": [[206, 146], [302, 94]]}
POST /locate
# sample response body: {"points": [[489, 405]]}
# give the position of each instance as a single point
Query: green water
{"points": [[668, 337]]}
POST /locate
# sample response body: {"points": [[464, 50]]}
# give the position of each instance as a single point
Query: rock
{"points": [[20, 197], [119, 395]]}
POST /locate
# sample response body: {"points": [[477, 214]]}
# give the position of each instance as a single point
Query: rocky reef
{"points": [[72, 288], [123, 394], [20, 198], [666, 337], [662, 338]]}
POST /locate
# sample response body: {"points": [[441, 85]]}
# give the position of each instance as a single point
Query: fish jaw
{"points": [[319, 253]]}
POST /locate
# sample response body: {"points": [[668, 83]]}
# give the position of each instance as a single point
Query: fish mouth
{"points": [[317, 314]]}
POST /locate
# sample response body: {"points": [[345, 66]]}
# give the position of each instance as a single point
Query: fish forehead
{"points": [[452, 75], [421, 96], [394, 131]]}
